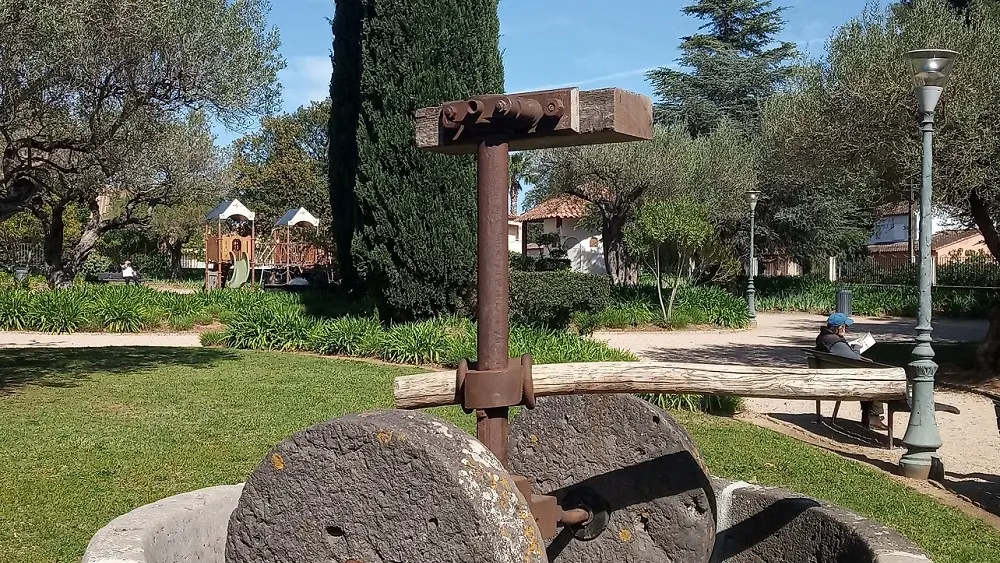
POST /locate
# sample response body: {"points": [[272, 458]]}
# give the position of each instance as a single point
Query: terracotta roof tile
{"points": [[941, 238], [894, 208], [563, 206]]}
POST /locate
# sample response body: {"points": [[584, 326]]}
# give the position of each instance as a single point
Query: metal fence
{"points": [[958, 269], [13, 254]]}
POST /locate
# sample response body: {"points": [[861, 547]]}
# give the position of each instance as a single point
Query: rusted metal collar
{"points": [[547, 513], [495, 389]]}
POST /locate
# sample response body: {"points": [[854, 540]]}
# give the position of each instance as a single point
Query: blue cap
{"points": [[839, 319]]}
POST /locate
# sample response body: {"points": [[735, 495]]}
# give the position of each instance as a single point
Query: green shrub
{"points": [[715, 305], [275, 326], [213, 338], [202, 318], [549, 299], [181, 323], [416, 343], [348, 336], [58, 311], [15, 309], [812, 295], [524, 263]]}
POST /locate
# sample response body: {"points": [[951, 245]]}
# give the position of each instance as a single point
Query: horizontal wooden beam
{"points": [[878, 384], [609, 115]]}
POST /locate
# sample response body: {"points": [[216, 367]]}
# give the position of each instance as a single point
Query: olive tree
{"points": [[716, 169], [858, 117], [89, 92]]}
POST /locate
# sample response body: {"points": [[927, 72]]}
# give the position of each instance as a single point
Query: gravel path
{"points": [[971, 442], [97, 340]]}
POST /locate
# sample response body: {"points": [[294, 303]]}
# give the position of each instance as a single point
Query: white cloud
{"points": [[305, 79], [613, 76]]}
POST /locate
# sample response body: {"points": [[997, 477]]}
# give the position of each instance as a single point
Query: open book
{"points": [[863, 343]]}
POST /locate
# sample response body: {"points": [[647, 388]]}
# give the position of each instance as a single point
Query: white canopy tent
{"points": [[231, 209], [296, 216]]}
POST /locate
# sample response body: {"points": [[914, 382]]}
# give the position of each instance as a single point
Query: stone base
{"points": [[755, 524]]}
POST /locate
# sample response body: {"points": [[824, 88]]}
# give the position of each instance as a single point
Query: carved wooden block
{"points": [[609, 115]]}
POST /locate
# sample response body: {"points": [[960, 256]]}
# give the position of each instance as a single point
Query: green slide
{"points": [[241, 270]]}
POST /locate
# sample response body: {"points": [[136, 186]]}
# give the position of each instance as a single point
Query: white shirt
{"points": [[128, 272]]}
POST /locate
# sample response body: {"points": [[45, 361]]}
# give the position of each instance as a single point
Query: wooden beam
{"points": [[610, 115], [878, 384]]}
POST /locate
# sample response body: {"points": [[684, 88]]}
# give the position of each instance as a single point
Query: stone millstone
{"points": [[633, 458], [379, 487]]}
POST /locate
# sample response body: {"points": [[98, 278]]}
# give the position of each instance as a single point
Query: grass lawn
{"points": [[86, 435]]}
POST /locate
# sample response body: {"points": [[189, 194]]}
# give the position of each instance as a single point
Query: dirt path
{"points": [[97, 340], [971, 442]]}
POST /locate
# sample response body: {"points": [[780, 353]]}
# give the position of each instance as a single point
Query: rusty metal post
{"points": [[493, 279]]}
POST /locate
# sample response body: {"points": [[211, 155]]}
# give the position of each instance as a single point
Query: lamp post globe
{"points": [[931, 70]]}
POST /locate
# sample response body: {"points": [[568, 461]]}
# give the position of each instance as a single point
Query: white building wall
{"points": [[515, 231], [584, 248]]}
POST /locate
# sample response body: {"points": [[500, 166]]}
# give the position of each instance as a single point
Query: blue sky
{"points": [[597, 43]]}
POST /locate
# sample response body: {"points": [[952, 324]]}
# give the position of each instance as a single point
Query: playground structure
{"points": [[291, 249], [229, 257]]}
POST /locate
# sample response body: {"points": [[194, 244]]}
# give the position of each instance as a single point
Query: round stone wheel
{"points": [[631, 464], [382, 486]]}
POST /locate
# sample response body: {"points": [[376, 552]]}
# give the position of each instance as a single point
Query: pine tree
{"points": [[732, 66], [405, 220]]}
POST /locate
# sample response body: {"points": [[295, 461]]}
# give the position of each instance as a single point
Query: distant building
{"points": [[562, 214]]}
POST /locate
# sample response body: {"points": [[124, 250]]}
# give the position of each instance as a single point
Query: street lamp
{"points": [[752, 197], [931, 69]]}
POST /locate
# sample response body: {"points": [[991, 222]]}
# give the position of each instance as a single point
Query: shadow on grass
{"points": [[66, 367]]}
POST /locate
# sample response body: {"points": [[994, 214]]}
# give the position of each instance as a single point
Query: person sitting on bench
{"points": [[831, 340]]}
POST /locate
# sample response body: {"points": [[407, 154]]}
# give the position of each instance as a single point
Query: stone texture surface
{"points": [[189, 527], [379, 487], [635, 456], [761, 524]]}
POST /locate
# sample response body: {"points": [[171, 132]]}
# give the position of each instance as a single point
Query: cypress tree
{"points": [[405, 220]]}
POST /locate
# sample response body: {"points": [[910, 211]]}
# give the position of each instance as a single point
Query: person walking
{"points": [[831, 340]]}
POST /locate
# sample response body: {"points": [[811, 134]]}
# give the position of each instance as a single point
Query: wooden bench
{"points": [[824, 360], [114, 277]]}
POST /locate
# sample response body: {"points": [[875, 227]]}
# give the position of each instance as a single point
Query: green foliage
{"points": [[549, 299], [525, 263], [348, 336], [213, 338], [58, 311], [15, 310], [406, 218], [803, 294], [443, 341], [284, 165], [731, 68], [715, 170]]}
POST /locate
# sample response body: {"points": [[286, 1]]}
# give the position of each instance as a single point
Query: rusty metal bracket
{"points": [[548, 514], [514, 115], [511, 387]]}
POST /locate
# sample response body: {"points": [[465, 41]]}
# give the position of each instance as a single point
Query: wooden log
{"points": [[438, 388], [609, 115]]}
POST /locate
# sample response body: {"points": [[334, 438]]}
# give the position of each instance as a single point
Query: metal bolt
{"points": [[554, 108]]}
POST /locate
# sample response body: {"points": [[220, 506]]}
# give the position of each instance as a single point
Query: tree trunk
{"points": [[659, 283], [174, 248], [677, 283], [58, 276], [621, 268], [989, 350]]}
